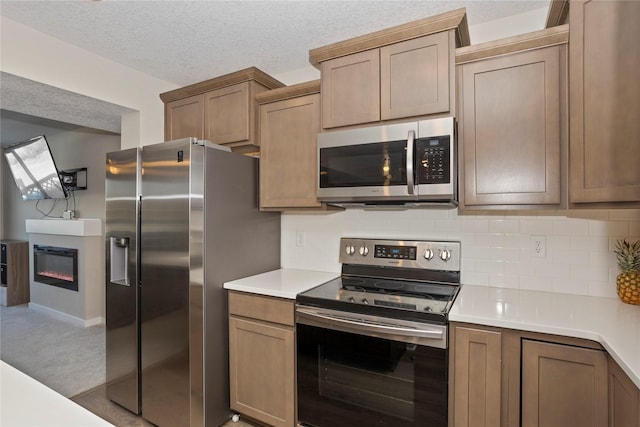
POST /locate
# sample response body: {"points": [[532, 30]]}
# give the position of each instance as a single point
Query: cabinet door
{"points": [[14, 272], [605, 101], [414, 77], [624, 398], [226, 113], [511, 128], [563, 386], [477, 378], [262, 371], [184, 118], [288, 153], [351, 89]]}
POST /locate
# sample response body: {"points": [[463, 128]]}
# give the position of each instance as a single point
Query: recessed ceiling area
{"points": [[26, 105]]}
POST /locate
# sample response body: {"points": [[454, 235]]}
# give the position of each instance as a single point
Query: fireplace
{"points": [[56, 266]]}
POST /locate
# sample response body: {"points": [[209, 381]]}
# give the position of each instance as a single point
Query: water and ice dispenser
{"points": [[119, 248]]}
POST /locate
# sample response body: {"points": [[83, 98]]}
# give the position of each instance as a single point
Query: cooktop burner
{"points": [[393, 278]]}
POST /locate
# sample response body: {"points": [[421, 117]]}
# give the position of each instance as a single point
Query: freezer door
{"points": [[165, 263], [121, 232]]}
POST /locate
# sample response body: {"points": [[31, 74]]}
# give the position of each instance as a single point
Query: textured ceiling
{"points": [[185, 42]]}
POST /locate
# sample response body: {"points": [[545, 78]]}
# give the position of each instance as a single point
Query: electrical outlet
{"points": [[300, 238], [538, 246]]}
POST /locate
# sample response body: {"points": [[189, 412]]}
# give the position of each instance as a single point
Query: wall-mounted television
{"points": [[34, 170]]}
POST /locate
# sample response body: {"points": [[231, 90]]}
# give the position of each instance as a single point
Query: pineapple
{"points": [[628, 281]]}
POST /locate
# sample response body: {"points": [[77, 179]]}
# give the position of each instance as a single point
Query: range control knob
{"points": [[350, 249], [364, 251], [445, 255], [352, 299], [364, 301], [428, 254]]}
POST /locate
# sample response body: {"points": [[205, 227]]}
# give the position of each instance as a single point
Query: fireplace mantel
{"points": [[65, 227]]}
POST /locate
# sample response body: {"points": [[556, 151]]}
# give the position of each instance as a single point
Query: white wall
{"points": [[521, 23], [32, 55], [71, 150], [495, 248]]}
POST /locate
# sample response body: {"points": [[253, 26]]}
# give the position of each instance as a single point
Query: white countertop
{"points": [[283, 283], [609, 321], [27, 402]]}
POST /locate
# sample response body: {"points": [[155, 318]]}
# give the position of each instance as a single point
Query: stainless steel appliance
{"points": [[372, 344], [408, 164], [181, 219]]}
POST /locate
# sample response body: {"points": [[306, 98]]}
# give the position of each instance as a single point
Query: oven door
{"points": [[348, 377]]}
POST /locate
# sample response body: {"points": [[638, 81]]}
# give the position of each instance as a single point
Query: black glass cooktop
{"points": [[383, 296]]}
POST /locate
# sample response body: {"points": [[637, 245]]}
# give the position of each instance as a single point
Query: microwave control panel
{"points": [[433, 160]]}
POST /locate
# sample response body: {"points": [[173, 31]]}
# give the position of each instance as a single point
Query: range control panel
{"points": [[424, 254]]}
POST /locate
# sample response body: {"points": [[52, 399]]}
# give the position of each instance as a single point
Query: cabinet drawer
{"points": [[268, 309]]}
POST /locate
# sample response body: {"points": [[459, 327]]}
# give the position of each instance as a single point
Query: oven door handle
{"points": [[410, 151], [334, 321]]}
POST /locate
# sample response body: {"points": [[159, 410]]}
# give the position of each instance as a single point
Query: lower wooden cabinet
{"points": [[624, 398], [476, 377], [563, 385], [262, 358], [511, 378]]}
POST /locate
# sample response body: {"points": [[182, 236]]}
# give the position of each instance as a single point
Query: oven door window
{"points": [[364, 165], [354, 380]]}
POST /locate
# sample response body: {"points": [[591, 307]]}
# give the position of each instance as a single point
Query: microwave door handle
{"points": [[410, 150]]}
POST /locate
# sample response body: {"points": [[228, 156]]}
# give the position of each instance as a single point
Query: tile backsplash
{"points": [[497, 248]]}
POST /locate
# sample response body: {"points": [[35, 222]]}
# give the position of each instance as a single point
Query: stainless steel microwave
{"points": [[406, 164]]}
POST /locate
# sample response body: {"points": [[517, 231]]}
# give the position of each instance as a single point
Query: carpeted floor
{"points": [[65, 357]]}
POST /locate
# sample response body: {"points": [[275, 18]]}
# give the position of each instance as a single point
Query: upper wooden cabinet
{"points": [[512, 115], [605, 102], [404, 71], [222, 110], [289, 126]]}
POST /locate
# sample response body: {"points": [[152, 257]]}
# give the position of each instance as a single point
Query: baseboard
{"points": [[67, 317]]}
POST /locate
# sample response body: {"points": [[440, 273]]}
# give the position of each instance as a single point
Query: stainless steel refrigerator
{"points": [[182, 218]]}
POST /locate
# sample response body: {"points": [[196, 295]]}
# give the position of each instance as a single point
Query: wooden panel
{"points": [[605, 101], [510, 129], [226, 113], [270, 309], [521, 42], [558, 13], [16, 271], [293, 91], [453, 20], [351, 89], [288, 153], [414, 77], [184, 118], [623, 398], [477, 378], [563, 386], [262, 371], [248, 74]]}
